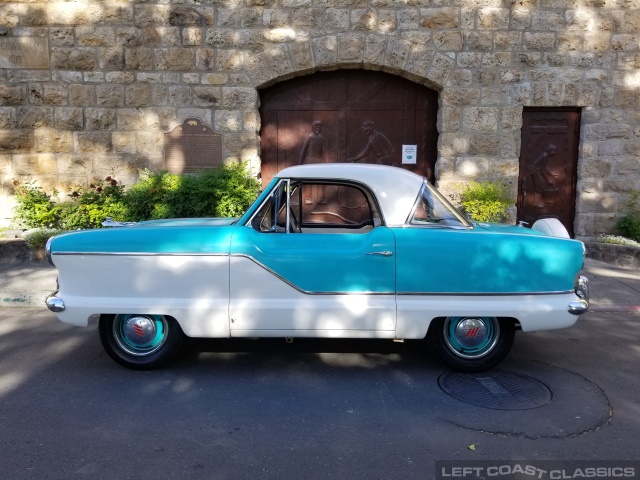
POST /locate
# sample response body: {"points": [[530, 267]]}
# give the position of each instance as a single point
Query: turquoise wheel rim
{"points": [[140, 335], [471, 337]]}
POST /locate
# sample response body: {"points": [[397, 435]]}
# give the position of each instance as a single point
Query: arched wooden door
{"points": [[348, 115]]}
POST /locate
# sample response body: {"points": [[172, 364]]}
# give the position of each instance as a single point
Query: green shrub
{"points": [[89, 208], [34, 208], [36, 238], [629, 225], [226, 191], [486, 201]]}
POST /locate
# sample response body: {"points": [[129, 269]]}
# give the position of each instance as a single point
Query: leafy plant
{"points": [[487, 201], [223, 192], [89, 208], [617, 240], [629, 225], [36, 238], [35, 208]]}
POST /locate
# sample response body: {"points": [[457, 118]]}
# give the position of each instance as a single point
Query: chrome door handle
{"points": [[385, 253]]}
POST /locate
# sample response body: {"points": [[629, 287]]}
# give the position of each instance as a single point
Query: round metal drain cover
{"points": [[496, 389]]}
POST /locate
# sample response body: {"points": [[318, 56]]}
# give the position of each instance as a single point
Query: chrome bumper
{"points": [[578, 307], [54, 303]]}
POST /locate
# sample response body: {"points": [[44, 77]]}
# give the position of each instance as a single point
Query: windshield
{"points": [[432, 209]]}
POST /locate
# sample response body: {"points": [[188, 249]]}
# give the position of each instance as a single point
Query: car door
{"points": [[314, 261]]}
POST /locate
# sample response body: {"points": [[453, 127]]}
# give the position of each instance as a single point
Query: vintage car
{"points": [[328, 251]]}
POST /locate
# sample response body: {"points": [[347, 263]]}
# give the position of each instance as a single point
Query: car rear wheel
{"points": [[471, 344], [140, 342]]}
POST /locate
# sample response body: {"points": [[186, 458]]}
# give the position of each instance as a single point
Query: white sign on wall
{"points": [[409, 154]]}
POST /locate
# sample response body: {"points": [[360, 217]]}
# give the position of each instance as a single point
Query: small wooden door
{"points": [[348, 115], [548, 165]]}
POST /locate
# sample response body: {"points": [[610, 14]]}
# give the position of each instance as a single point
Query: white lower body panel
{"points": [[263, 305], [221, 296], [534, 312], [192, 289]]}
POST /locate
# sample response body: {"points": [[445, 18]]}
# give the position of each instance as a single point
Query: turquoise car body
{"points": [[340, 251], [487, 259]]}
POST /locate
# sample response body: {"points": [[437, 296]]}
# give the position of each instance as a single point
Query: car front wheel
{"points": [[139, 341], [471, 344]]}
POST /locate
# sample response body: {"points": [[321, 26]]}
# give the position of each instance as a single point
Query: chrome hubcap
{"points": [[140, 334], [471, 337]]}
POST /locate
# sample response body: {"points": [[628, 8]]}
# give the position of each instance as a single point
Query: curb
{"points": [[622, 256], [15, 250]]}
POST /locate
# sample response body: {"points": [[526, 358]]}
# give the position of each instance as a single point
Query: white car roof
{"points": [[396, 189]]}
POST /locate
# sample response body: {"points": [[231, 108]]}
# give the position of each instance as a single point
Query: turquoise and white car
{"points": [[326, 251]]}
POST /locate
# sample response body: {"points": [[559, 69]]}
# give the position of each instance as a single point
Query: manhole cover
{"points": [[496, 389]]}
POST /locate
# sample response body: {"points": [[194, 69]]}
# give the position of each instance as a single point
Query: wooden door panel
{"points": [[396, 112], [548, 165]]}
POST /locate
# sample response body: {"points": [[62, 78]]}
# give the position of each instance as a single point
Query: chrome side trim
{"points": [[483, 294], [307, 292], [434, 225], [287, 227], [146, 254], [55, 304]]}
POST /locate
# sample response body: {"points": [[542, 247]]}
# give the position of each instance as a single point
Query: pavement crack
{"points": [[12, 266]]}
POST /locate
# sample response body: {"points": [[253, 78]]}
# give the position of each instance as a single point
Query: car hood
{"points": [[172, 236]]}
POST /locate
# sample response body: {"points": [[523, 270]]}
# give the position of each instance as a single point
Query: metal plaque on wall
{"points": [[192, 147], [24, 52]]}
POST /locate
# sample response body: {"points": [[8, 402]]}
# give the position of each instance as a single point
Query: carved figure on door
{"points": [[544, 180], [377, 145], [313, 150]]}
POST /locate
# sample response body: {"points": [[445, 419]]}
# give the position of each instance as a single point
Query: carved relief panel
{"points": [[548, 165], [350, 115]]}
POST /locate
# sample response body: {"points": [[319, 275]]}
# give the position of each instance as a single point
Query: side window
{"points": [[432, 209], [325, 206], [424, 211], [305, 206]]}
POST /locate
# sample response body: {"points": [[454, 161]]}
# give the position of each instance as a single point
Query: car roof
{"points": [[395, 188]]}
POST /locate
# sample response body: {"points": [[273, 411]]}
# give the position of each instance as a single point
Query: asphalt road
{"points": [[311, 409]]}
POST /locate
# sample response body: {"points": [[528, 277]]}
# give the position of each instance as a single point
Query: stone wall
{"points": [[88, 88]]}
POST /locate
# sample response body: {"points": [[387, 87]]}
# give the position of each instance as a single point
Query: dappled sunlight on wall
{"points": [[121, 74]]}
